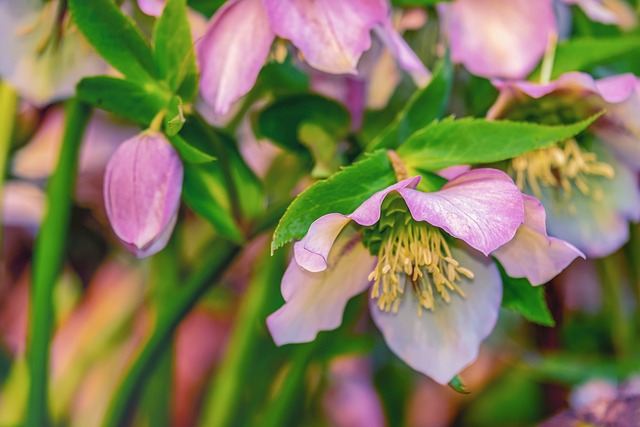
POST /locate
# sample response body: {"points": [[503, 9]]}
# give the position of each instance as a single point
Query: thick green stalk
{"points": [[48, 257], [233, 375], [175, 309], [8, 103]]}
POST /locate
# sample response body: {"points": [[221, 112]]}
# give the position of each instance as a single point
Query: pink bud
{"points": [[142, 187]]}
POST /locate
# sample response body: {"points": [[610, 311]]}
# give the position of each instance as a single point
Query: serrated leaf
{"points": [[173, 48], [473, 141], [424, 107], [174, 119], [204, 192], [342, 193], [528, 300], [189, 153], [280, 121], [137, 102], [115, 37], [581, 54]]}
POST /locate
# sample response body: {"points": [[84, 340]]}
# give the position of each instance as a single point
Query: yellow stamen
{"points": [[418, 255], [562, 167]]}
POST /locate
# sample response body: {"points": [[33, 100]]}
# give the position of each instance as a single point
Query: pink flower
{"points": [[496, 38], [433, 302], [330, 34], [142, 188], [588, 186]]}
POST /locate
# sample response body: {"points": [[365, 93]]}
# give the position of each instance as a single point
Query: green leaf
{"points": [[458, 386], [424, 107], [581, 54], [115, 37], [280, 121], [528, 300], [342, 193], [190, 153], [140, 103], [472, 141], [174, 119], [204, 192], [173, 48]]}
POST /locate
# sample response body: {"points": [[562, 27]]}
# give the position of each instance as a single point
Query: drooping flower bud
{"points": [[142, 187]]}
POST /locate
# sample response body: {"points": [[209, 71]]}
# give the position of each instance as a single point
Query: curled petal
{"points": [[596, 227], [233, 51], [315, 301], [312, 251], [331, 34], [494, 38], [142, 188], [532, 253], [611, 90], [441, 343], [608, 12], [483, 207]]}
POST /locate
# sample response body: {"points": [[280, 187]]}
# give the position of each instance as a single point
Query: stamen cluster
{"points": [[560, 167], [412, 255]]}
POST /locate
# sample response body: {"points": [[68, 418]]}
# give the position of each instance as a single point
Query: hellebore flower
{"points": [[43, 57], [588, 185], [433, 301], [496, 38], [142, 188], [331, 35]]}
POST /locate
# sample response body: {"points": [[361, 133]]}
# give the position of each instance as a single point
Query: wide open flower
{"points": [[434, 301], [330, 34], [142, 187], [43, 56], [496, 38], [588, 185]]}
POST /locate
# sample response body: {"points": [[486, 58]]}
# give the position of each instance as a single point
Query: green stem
{"points": [[279, 409], [233, 374], [48, 257], [8, 103], [611, 282], [225, 164], [174, 310]]}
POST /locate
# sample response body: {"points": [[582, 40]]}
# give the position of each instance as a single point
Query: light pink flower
{"points": [[482, 207], [142, 188], [330, 34]]}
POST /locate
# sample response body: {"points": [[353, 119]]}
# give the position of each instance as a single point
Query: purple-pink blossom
{"points": [[331, 35], [434, 301]]}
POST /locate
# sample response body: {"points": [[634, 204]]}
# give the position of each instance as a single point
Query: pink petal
{"points": [[441, 343], [233, 51], [152, 7], [532, 253], [405, 56], [453, 171], [315, 301], [142, 188], [331, 34], [496, 38], [312, 251], [612, 90], [483, 207], [23, 205], [615, 12]]}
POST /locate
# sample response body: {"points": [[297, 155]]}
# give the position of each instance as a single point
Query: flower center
{"points": [[412, 256], [561, 167]]}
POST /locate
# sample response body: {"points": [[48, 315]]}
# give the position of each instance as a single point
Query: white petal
{"points": [[441, 343], [315, 301]]}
